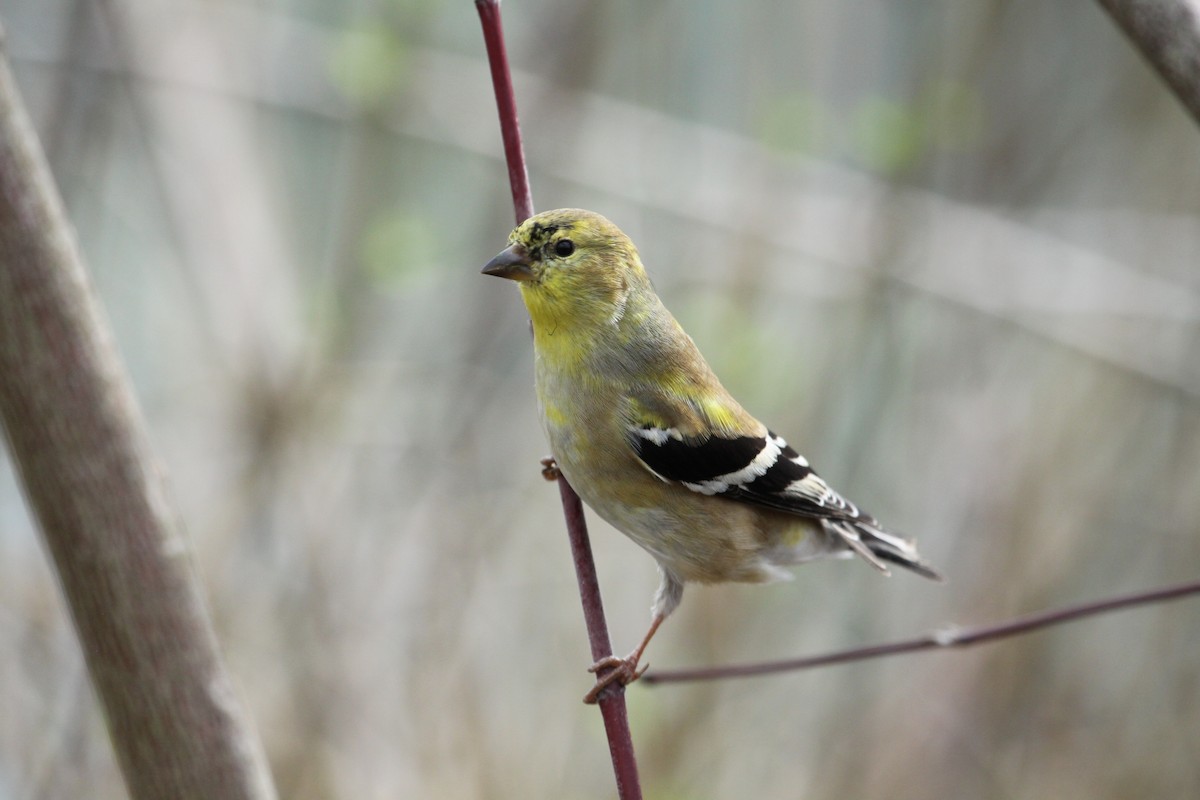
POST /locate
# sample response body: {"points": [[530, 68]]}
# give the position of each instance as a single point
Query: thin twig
{"points": [[506, 104], [612, 700], [946, 637]]}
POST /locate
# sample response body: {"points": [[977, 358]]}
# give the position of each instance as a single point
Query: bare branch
{"points": [[122, 557], [1168, 34], [946, 637], [506, 104], [612, 699]]}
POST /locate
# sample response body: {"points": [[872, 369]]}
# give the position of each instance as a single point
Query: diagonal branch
{"points": [[612, 700], [121, 556], [1168, 34], [947, 637]]}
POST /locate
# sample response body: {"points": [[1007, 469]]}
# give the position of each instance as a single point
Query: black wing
{"points": [[763, 470]]}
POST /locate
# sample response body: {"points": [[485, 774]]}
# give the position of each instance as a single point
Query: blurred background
{"points": [[949, 250]]}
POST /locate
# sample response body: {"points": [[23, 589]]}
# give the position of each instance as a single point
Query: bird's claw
{"points": [[610, 670], [550, 468]]}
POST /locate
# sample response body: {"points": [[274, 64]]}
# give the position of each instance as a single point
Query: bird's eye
{"points": [[564, 247]]}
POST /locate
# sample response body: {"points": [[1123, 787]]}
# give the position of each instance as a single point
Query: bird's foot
{"points": [[550, 468], [610, 670]]}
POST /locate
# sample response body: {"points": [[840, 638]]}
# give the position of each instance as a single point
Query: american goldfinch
{"points": [[651, 440]]}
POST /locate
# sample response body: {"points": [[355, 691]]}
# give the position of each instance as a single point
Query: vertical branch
{"points": [[612, 700], [1168, 34], [506, 104], [122, 558]]}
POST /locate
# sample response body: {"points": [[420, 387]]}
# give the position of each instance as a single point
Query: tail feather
{"points": [[876, 546]]}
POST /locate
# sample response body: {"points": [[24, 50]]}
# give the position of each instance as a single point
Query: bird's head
{"points": [[573, 267]]}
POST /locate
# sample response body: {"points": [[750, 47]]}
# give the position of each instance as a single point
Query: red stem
{"points": [[612, 700], [506, 104]]}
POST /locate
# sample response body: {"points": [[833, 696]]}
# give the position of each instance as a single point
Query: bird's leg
{"points": [[611, 669], [550, 468]]}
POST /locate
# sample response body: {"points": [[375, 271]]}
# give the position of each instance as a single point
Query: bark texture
{"points": [[121, 556]]}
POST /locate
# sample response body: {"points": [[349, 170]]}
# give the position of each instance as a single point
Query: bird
{"points": [[642, 429]]}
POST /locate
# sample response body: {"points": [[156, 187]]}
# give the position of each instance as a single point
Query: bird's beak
{"points": [[512, 263]]}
